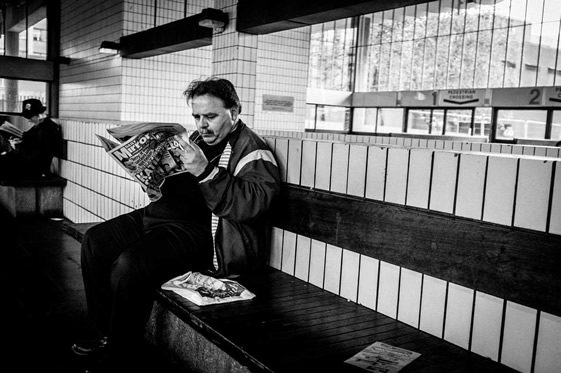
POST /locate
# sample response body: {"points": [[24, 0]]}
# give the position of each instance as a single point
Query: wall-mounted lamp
{"points": [[109, 47], [213, 18]]}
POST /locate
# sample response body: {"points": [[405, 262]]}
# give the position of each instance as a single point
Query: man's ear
{"points": [[234, 112]]}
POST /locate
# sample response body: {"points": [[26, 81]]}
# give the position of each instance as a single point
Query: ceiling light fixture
{"points": [[109, 47], [213, 18]]}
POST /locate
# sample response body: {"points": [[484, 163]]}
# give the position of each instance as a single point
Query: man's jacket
{"points": [[241, 195]]}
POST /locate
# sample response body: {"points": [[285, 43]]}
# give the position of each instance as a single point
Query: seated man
{"points": [[213, 219], [32, 156]]}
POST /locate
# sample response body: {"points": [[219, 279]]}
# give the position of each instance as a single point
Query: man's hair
{"points": [[217, 87]]}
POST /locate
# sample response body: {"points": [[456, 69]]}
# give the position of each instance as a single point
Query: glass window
{"points": [[442, 61], [364, 120], [482, 60], [23, 35], [14, 92], [467, 70], [406, 62], [458, 122], [395, 65], [409, 23], [428, 64], [521, 124], [556, 125], [333, 118], [331, 51], [418, 121], [482, 121], [310, 117], [437, 122], [390, 120]]}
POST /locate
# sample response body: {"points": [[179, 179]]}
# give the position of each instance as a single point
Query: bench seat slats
{"points": [[294, 326], [300, 326]]}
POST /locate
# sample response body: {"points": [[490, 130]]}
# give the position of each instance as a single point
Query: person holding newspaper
{"points": [[32, 153], [214, 218]]}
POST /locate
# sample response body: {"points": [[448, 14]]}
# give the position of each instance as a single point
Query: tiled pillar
{"points": [[234, 57]]}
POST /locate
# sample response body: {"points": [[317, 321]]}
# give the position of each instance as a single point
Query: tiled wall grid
{"points": [[282, 70], [90, 86], [152, 87], [522, 191]]}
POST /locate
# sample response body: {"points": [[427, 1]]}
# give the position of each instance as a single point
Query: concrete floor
{"points": [[44, 301]]}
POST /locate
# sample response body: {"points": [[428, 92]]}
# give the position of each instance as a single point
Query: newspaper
{"points": [[147, 152], [380, 357], [204, 290], [11, 130]]}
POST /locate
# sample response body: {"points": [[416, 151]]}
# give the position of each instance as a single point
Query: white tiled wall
{"points": [[95, 86], [90, 86], [282, 70]]}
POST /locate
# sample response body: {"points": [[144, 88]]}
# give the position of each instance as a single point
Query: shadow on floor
{"points": [[45, 307]]}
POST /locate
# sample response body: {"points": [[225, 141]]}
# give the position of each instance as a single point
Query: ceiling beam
{"points": [[168, 38], [26, 69], [266, 16]]}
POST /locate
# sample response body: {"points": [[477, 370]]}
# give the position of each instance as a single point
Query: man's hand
{"points": [[193, 158], [14, 142]]}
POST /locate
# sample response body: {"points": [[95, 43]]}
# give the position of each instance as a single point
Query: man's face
{"points": [[36, 119], [214, 122]]}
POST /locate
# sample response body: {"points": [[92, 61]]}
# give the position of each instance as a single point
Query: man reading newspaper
{"points": [[213, 218]]}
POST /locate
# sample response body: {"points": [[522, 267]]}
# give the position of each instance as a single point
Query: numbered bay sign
{"points": [[467, 97], [515, 97], [552, 96]]}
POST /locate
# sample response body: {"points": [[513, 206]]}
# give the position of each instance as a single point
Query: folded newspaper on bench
{"points": [[380, 357], [203, 290], [146, 151]]}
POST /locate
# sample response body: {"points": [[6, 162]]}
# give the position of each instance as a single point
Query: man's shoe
{"points": [[90, 348]]}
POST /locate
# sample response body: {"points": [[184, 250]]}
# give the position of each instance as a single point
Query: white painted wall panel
{"points": [[532, 195], [376, 172], [275, 259], [340, 168], [368, 281], [303, 245], [357, 170], [349, 275], [555, 217], [317, 263], [432, 305], [308, 163], [332, 281], [289, 252], [418, 184], [486, 330], [548, 351], [458, 315], [323, 165], [396, 179], [471, 184], [518, 337], [388, 289], [294, 161], [499, 190], [281, 154], [410, 297], [443, 185]]}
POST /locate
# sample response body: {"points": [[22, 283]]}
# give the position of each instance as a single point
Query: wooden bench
{"points": [[293, 325], [32, 197]]}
